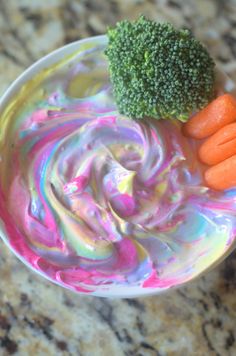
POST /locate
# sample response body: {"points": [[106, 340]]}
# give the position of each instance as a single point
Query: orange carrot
{"points": [[219, 146], [220, 112], [222, 175]]}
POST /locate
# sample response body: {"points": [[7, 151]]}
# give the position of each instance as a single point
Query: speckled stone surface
{"points": [[38, 318]]}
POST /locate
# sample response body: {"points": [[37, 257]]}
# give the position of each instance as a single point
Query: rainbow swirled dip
{"points": [[97, 202]]}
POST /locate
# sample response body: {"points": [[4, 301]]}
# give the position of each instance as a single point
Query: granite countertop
{"points": [[38, 318]]}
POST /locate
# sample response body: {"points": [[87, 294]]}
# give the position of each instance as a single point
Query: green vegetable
{"points": [[158, 71]]}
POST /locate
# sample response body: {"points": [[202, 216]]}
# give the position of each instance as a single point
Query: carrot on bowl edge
{"points": [[219, 146], [220, 112], [222, 175]]}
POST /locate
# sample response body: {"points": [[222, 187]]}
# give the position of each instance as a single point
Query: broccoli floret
{"points": [[158, 71]]}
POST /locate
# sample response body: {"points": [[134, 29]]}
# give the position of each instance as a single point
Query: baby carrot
{"points": [[220, 112], [219, 146], [222, 175]]}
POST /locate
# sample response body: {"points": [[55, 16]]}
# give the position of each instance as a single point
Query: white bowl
{"points": [[44, 63]]}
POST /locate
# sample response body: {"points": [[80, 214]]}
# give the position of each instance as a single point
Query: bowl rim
{"points": [[43, 63], [117, 291]]}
